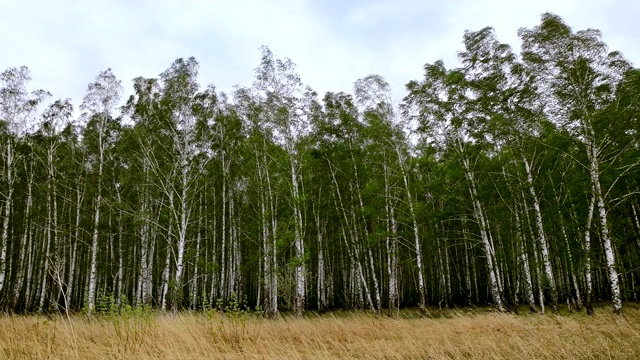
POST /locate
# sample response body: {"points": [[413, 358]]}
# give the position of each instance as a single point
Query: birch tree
{"points": [[98, 111], [17, 107], [280, 88], [578, 72]]}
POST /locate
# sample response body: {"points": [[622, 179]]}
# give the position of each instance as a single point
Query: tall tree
{"points": [[580, 77], [98, 109]]}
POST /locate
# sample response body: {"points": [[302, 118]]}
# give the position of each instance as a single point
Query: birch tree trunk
{"points": [[144, 290], [392, 248], [322, 291], [525, 263], [542, 238], [572, 274], [587, 252], [369, 255], [195, 282], [7, 212], [24, 243], [274, 234], [494, 286], [74, 245], [604, 227], [300, 269], [93, 272], [182, 235], [120, 273], [167, 263], [416, 237]]}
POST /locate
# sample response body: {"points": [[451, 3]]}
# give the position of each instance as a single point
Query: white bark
{"points": [[7, 213], [392, 247], [167, 263], [214, 244], [572, 274], [182, 231], [120, 253], [447, 271], [300, 270], [525, 263], [637, 222], [195, 281], [93, 272], [269, 234], [539, 278], [542, 238], [223, 254], [352, 247], [24, 242], [101, 99], [274, 235], [51, 226], [494, 286], [467, 264], [587, 251], [369, 254], [74, 246], [416, 237], [604, 228], [322, 291], [143, 289]]}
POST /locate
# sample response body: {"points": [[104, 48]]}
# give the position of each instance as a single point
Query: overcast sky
{"points": [[66, 43]]}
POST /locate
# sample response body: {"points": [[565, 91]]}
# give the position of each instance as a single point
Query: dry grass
{"points": [[449, 335]]}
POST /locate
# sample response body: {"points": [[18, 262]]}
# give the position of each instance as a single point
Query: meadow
{"points": [[443, 334]]}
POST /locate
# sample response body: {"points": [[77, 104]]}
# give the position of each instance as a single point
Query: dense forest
{"points": [[512, 180]]}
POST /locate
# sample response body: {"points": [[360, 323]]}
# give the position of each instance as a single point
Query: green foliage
{"points": [[272, 175], [230, 321]]}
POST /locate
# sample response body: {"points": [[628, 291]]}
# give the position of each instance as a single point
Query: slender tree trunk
{"points": [[214, 244], [182, 238], [23, 244], [494, 286], [636, 222], [376, 286], [572, 274], [195, 281], [51, 229], [31, 288], [266, 243], [604, 229], [447, 271], [467, 265], [74, 245], [120, 253], [322, 291], [542, 238], [93, 272], [223, 254], [274, 249], [416, 237], [7, 213], [143, 283], [300, 270], [352, 247], [525, 263], [167, 263], [392, 247]]}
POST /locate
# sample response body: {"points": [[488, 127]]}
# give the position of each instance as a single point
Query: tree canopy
{"points": [[509, 180]]}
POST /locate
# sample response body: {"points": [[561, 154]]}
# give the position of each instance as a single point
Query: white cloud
{"points": [[66, 43]]}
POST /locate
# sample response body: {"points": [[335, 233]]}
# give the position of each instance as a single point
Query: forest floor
{"points": [[444, 334]]}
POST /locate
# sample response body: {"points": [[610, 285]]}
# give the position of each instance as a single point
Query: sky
{"points": [[66, 43]]}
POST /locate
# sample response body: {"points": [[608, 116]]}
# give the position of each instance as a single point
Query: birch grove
{"points": [[507, 180]]}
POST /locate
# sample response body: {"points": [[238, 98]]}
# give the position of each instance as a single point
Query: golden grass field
{"points": [[449, 334]]}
